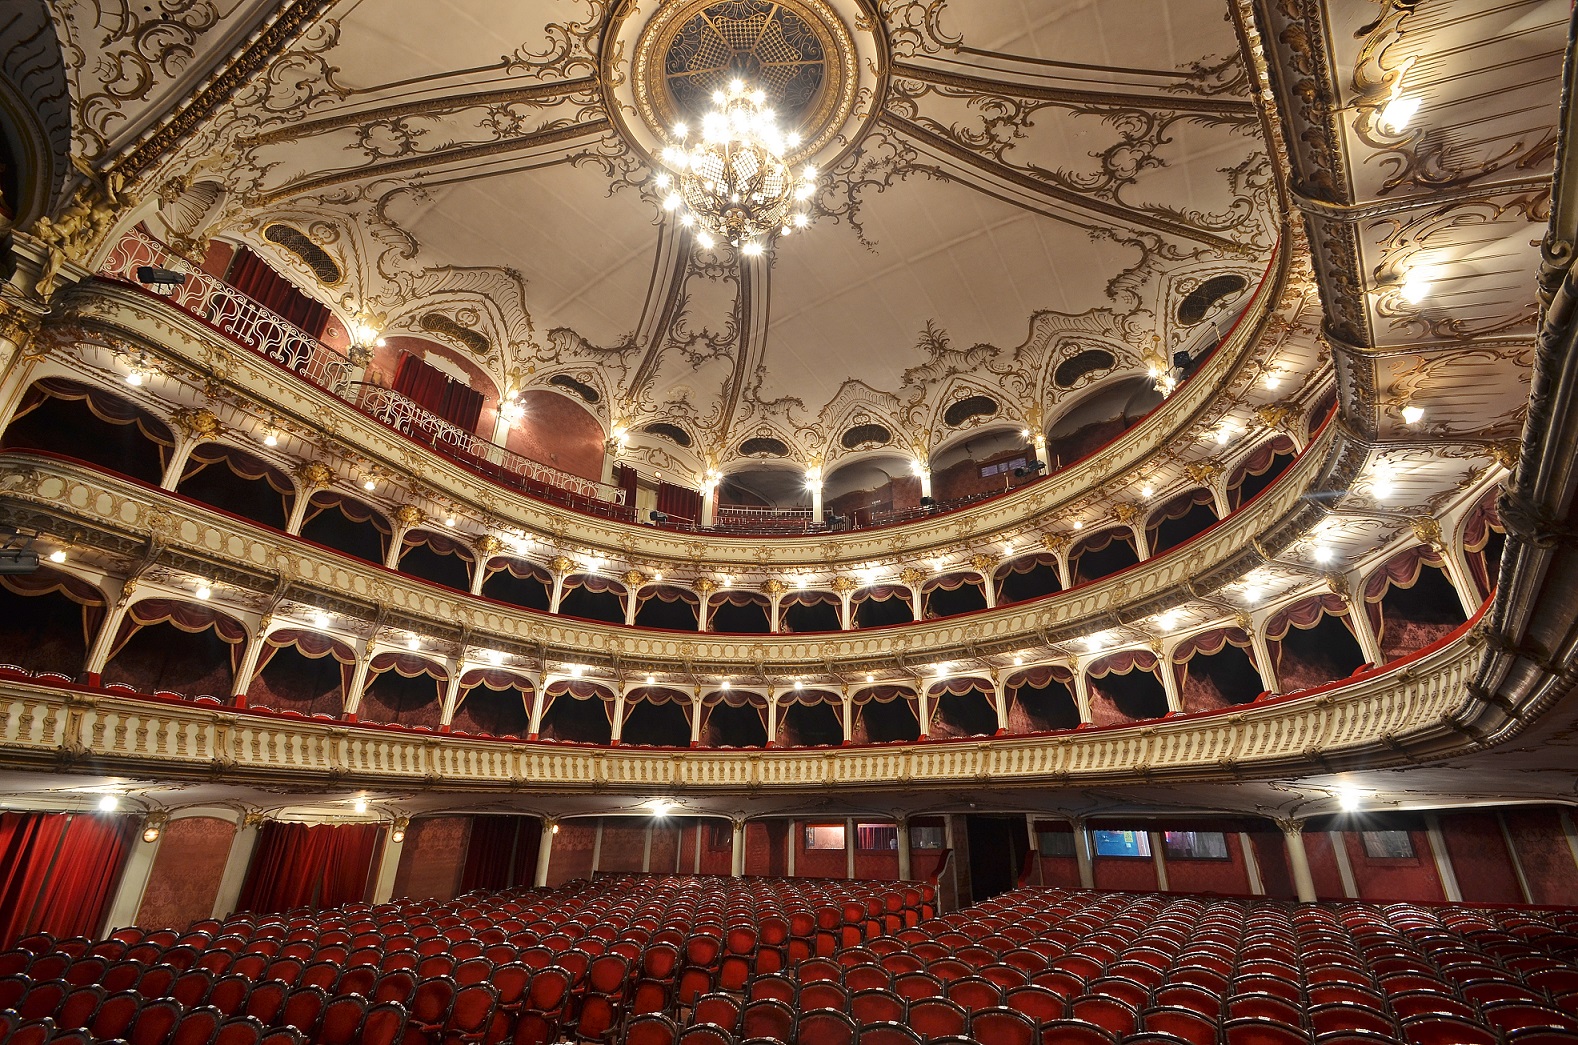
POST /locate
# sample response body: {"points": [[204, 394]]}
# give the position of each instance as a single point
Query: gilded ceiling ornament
{"points": [[562, 564], [772, 586], [1281, 416], [983, 564], [1427, 531], [1125, 512], [489, 545], [911, 577], [1055, 542], [1505, 452], [200, 422], [409, 515], [315, 475], [843, 584], [1203, 472], [634, 579], [704, 585]]}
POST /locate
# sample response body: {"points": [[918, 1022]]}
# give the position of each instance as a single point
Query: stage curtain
{"points": [[58, 871], [348, 863], [301, 865]]}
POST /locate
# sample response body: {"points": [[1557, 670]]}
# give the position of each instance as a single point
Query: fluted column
{"points": [[550, 825], [695, 719], [234, 876], [1000, 702], [737, 849], [1169, 675], [446, 715], [1265, 665], [903, 823], [353, 697], [242, 682], [1298, 859]]}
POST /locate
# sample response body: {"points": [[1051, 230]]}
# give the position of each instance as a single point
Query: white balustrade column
{"points": [[737, 849], [923, 711], [818, 515], [709, 504], [388, 863]]}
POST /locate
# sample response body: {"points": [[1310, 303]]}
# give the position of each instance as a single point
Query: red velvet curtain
{"points": [[500, 853], [302, 865], [438, 393], [58, 871], [679, 503], [252, 276]]}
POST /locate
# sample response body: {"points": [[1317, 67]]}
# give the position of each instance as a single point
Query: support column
{"points": [[1038, 446], [737, 849], [849, 848], [446, 713], [248, 667], [388, 864], [709, 502], [479, 573], [353, 697], [538, 699], [646, 847], [1298, 859], [1246, 845], [818, 515], [1458, 572], [903, 824], [1035, 849], [924, 475], [1517, 861], [695, 719], [772, 718], [236, 864], [1339, 849], [298, 510], [1363, 630], [1443, 859], [923, 707], [550, 825], [618, 724], [134, 880], [177, 464], [1261, 647], [953, 860], [775, 612], [794, 844], [1087, 873], [917, 602], [104, 641], [845, 617], [396, 547], [1082, 694], [632, 604], [989, 589], [555, 596], [1158, 859], [1142, 541], [696, 867], [1169, 673], [847, 713], [1569, 832], [1000, 703], [597, 846]]}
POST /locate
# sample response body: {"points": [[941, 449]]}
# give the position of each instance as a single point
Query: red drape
{"points": [[500, 850], [301, 865], [58, 871], [252, 276], [679, 503], [438, 393]]}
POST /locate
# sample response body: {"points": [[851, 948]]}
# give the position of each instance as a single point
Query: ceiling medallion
{"points": [[734, 183]]}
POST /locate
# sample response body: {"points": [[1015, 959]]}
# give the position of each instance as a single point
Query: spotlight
{"points": [[1397, 114], [657, 516], [555, 828], [1029, 469], [150, 833], [160, 281], [1348, 798], [204, 591], [109, 803], [58, 555], [1412, 415], [397, 835]]}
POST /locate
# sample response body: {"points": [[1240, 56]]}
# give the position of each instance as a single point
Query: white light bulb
{"points": [[751, 249], [725, 684], [361, 805], [271, 440], [1079, 524], [109, 803], [320, 619], [1348, 798], [1147, 492], [1416, 283], [706, 241], [1323, 554], [651, 679], [495, 657], [134, 378], [1412, 415], [204, 591], [672, 201], [1398, 113], [680, 130], [413, 643], [58, 555], [369, 483], [1018, 661]]}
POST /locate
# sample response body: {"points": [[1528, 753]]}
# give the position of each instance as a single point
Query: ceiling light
{"points": [[871, 678], [320, 619], [555, 828], [1381, 484], [725, 684], [1348, 798], [361, 805], [369, 483], [495, 657], [576, 670], [1412, 415], [707, 243], [109, 803], [728, 580], [1323, 554], [1252, 595], [1079, 524], [938, 565], [1147, 491], [1167, 621], [58, 555], [1416, 283], [1398, 113], [658, 576], [1095, 642], [413, 643], [449, 520], [398, 835], [150, 833], [203, 590], [659, 806], [1223, 434], [1273, 379], [1018, 661], [942, 667]]}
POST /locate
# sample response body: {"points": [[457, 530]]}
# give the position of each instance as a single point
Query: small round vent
{"points": [[673, 433], [1199, 302], [1075, 367], [764, 446], [971, 407], [866, 435], [570, 384]]}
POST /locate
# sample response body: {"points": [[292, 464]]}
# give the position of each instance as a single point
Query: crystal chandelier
{"points": [[733, 184]]}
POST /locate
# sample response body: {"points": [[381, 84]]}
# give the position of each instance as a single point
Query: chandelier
{"points": [[733, 184]]}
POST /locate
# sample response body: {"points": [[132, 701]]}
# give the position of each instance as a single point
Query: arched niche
{"points": [[558, 431], [1216, 670], [1102, 554], [348, 526], [957, 466], [307, 672], [90, 424], [1313, 643], [739, 612], [668, 608], [1125, 687], [859, 490], [763, 485], [809, 611], [518, 583], [952, 593], [809, 722], [1041, 700], [962, 708], [1098, 417], [234, 481], [658, 718], [733, 718], [1028, 577], [493, 702], [1263, 468], [592, 596], [48, 619], [579, 711], [440, 379], [1180, 519], [1484, 539], [403, 689], [1411, 602], [881, 605], [168, 646], [886, 714], [436, 558]]}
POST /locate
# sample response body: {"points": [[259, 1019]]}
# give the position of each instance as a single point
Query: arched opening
{"points": [[302, 671], [1264, 467], [590, 596], [1411, 602], [554, 430], [952, 593], [764, 486], [734, 719], [661, 718], [740, 612], [980, 464], [668, 609], [864, 490], [881, 606], [48, 620], [178, 648], [1028, 577], [577, 712], [1312, 643], [518, 583], [436, 558], [885, 715], [1216, 670], [1184, 517], [495, 703], [348, 526], [1042, 700], [1124, 687], [1099, 417], [811, 725], [805, 611], [403, 689], [1483, 542], [1102, 554], [237, 482], [91, 425], [962, 708]]}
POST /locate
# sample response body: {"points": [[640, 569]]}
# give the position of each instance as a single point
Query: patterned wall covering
{"points": [[186, 873]]}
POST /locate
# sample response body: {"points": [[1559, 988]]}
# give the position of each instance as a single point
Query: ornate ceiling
{"points": [[1003, 186]]}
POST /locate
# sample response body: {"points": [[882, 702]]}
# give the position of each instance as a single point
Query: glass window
{"points": [[876, 836], [1388, 845], [1195, 845], [824, 836], [1055, 843], [926, 838], [1122, 843]]}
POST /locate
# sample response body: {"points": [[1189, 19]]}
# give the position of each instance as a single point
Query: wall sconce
{"points": [[398, 834], [153, 824]]}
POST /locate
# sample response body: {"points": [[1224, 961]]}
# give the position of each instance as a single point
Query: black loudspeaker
{"points": [[658, 517], [928, 502], [1030, 469]]}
